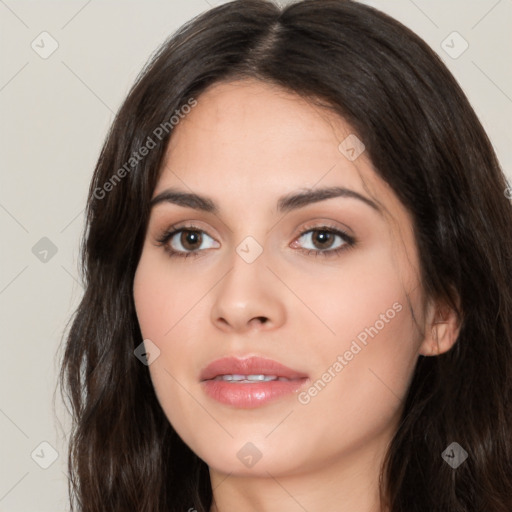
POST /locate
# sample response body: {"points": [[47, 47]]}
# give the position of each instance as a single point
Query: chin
{"points": [[254, 456]]}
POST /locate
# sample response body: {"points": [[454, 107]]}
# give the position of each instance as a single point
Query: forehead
{"points": [[243, 120], [248, 142]]}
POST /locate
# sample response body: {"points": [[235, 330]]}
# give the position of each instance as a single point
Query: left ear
{"points": [[442, 327]]}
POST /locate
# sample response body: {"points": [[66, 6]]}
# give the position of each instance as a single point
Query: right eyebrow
{"points": [[185, 199]]}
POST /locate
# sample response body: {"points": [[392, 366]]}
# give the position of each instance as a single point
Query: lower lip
{"points": [[248, 395]]}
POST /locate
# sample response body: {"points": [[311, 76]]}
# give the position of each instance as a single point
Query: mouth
{"points": [[250, 378], [250, 382]]}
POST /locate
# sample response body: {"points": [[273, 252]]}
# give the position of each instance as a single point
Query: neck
{"points": [[345, 484]]}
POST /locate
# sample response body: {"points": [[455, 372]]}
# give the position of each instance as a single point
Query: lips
{"points": [[251, 382], [252, 366]]}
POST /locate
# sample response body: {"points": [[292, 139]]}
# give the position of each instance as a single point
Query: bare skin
{"points": [[244, 146]]}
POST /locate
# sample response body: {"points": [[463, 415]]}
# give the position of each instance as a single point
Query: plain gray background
{"points": [[55, 111]]}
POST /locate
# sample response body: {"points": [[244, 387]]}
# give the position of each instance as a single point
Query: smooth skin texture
{"points": [[245, 145]]}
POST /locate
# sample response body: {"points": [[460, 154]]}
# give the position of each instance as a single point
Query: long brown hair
{"points": [[424, 140]]}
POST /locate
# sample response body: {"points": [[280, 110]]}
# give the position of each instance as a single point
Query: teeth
{"points": [[250, 378]]}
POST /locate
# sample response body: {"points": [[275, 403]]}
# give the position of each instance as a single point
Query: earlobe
{"points": [[441, 333]]}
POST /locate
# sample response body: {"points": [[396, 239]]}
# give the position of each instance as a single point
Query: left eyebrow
{"points": [[285, 203], [301, 199]]}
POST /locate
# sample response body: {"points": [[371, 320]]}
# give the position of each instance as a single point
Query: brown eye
{"points": [[190, 239], [323, 239], [186, 241]]}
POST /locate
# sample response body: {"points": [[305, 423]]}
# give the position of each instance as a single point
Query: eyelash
{"points": [[350, 241]]}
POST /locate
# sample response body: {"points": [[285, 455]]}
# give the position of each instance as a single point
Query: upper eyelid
{"points": [[304, 229]]}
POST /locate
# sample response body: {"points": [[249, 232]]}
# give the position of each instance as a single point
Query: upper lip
{"points": [[248, 366]]}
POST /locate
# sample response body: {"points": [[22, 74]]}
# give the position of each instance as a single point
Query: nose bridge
{"points": [[249, 290]]}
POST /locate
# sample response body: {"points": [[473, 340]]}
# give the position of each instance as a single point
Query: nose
{"points": [[249, 297]]}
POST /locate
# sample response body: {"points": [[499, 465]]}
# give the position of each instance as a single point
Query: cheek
{"points": [[163, 296], [165, 302], [148, 297], [364, 364], [359, 390], [357, 297]]}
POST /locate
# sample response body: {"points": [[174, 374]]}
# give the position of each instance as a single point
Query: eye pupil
{"points": [[190, 238], [324, 236]]}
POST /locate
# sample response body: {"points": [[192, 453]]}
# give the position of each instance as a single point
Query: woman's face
{"points": [[322, 284]]}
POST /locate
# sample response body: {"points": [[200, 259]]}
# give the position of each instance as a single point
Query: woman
{"points": [[297, 263]]}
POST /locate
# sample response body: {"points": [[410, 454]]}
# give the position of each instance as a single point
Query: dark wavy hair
{"points": [[424, 140]]}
